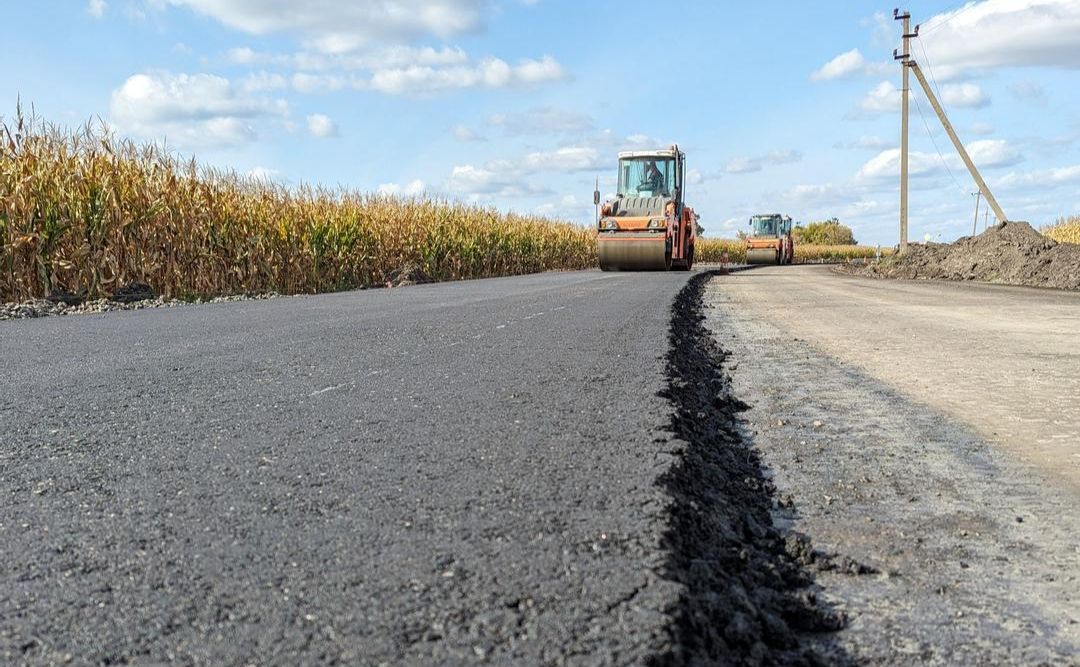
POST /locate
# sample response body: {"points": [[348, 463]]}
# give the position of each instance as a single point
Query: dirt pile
{"points": [[1010, 253], [749, 596]]}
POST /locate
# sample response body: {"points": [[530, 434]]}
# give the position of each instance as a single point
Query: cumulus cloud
{"points": [[1041, 179], [843, 65], [466, 134], [488, 73], [985, 153], [331, 26], [192, 110], [410, 189], [264, 174], [321, 126], [96, 8], [542, 120], [479, 183], [369, 59], [884, 98], [1004, 33], [865, 143], [967, 95], [746, 165], [566, 159]]}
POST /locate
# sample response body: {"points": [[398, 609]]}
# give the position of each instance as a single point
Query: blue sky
{"points": [[522, 104]]}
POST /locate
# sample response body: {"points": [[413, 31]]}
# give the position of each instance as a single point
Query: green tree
{"points": [[825, 232]]}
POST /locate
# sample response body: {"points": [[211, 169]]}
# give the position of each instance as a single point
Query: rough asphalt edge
{"points": [[748, 595]]}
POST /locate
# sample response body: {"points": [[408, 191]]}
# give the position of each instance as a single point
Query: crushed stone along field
{"points": [[1010, 253], [951, 549]]}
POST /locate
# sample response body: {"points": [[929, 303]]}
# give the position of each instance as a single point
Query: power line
{"points": [[934, 141], [933, 78], [967, 6]]}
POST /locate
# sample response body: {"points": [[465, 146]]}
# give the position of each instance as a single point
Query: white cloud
{"points": [[865, 143], [303, 82], [411, 189], [985, 153], [466, 134], [1041, 179], [332, 26], [993, 153], [264, 174], [488, 73], [742, 165], [479, 183], [884, 98], [192, 110], [542, 120], [746, 165], [1004, 33], [967, 95], [566, 159], [843, 65], [96, 8], [886, 165], [370, 59], [321, 126], [264, 81]]}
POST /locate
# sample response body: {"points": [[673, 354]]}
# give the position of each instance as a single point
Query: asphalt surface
{"points": [[435, 474]]}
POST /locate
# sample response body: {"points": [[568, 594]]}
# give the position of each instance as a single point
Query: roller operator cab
{"points": [[770, 240], [647, 226]]}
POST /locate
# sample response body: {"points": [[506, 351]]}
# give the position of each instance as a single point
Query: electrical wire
{"points": [[967, 6], [934, 141], [930, 68]]}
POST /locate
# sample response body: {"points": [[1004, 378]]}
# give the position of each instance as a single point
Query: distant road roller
{"points": [[770, 240], [648, 226]]}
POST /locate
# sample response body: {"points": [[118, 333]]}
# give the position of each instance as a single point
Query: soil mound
{"points": [[1010, 253]]}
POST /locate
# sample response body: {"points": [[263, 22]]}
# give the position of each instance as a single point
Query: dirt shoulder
{"points": [[945, 547]]}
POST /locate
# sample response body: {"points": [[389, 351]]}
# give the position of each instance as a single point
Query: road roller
{"points": [[647, 226], [770, 240]]}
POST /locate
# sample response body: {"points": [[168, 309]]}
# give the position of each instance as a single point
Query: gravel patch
{"points": [[23, 310]]}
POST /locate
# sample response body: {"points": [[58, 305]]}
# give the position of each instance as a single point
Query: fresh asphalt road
{"points": [[432, 474]]}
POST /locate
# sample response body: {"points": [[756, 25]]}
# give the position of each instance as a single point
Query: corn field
{"points": [[83, 211], [1065, 230], [711, 251]]}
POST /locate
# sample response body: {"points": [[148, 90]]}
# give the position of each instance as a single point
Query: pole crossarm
{"points": [[956, 140]]}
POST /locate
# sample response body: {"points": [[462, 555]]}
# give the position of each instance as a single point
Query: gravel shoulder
{"points": [[951, 548]]}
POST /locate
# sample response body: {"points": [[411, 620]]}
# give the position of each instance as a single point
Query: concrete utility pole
{"points": [[903, 58], [975, 225], [956, 140]]}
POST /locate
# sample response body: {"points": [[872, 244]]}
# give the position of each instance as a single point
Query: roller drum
{"points": [[762, 256], [623, 253]]}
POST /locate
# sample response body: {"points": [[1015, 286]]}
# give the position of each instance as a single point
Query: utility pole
{"points": [[903, 58], [907, 62], [955, 139], [975, 225]]}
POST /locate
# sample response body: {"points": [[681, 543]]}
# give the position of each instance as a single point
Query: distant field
{"points": [[83, 211], [1065, 230], [712, 251]]}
